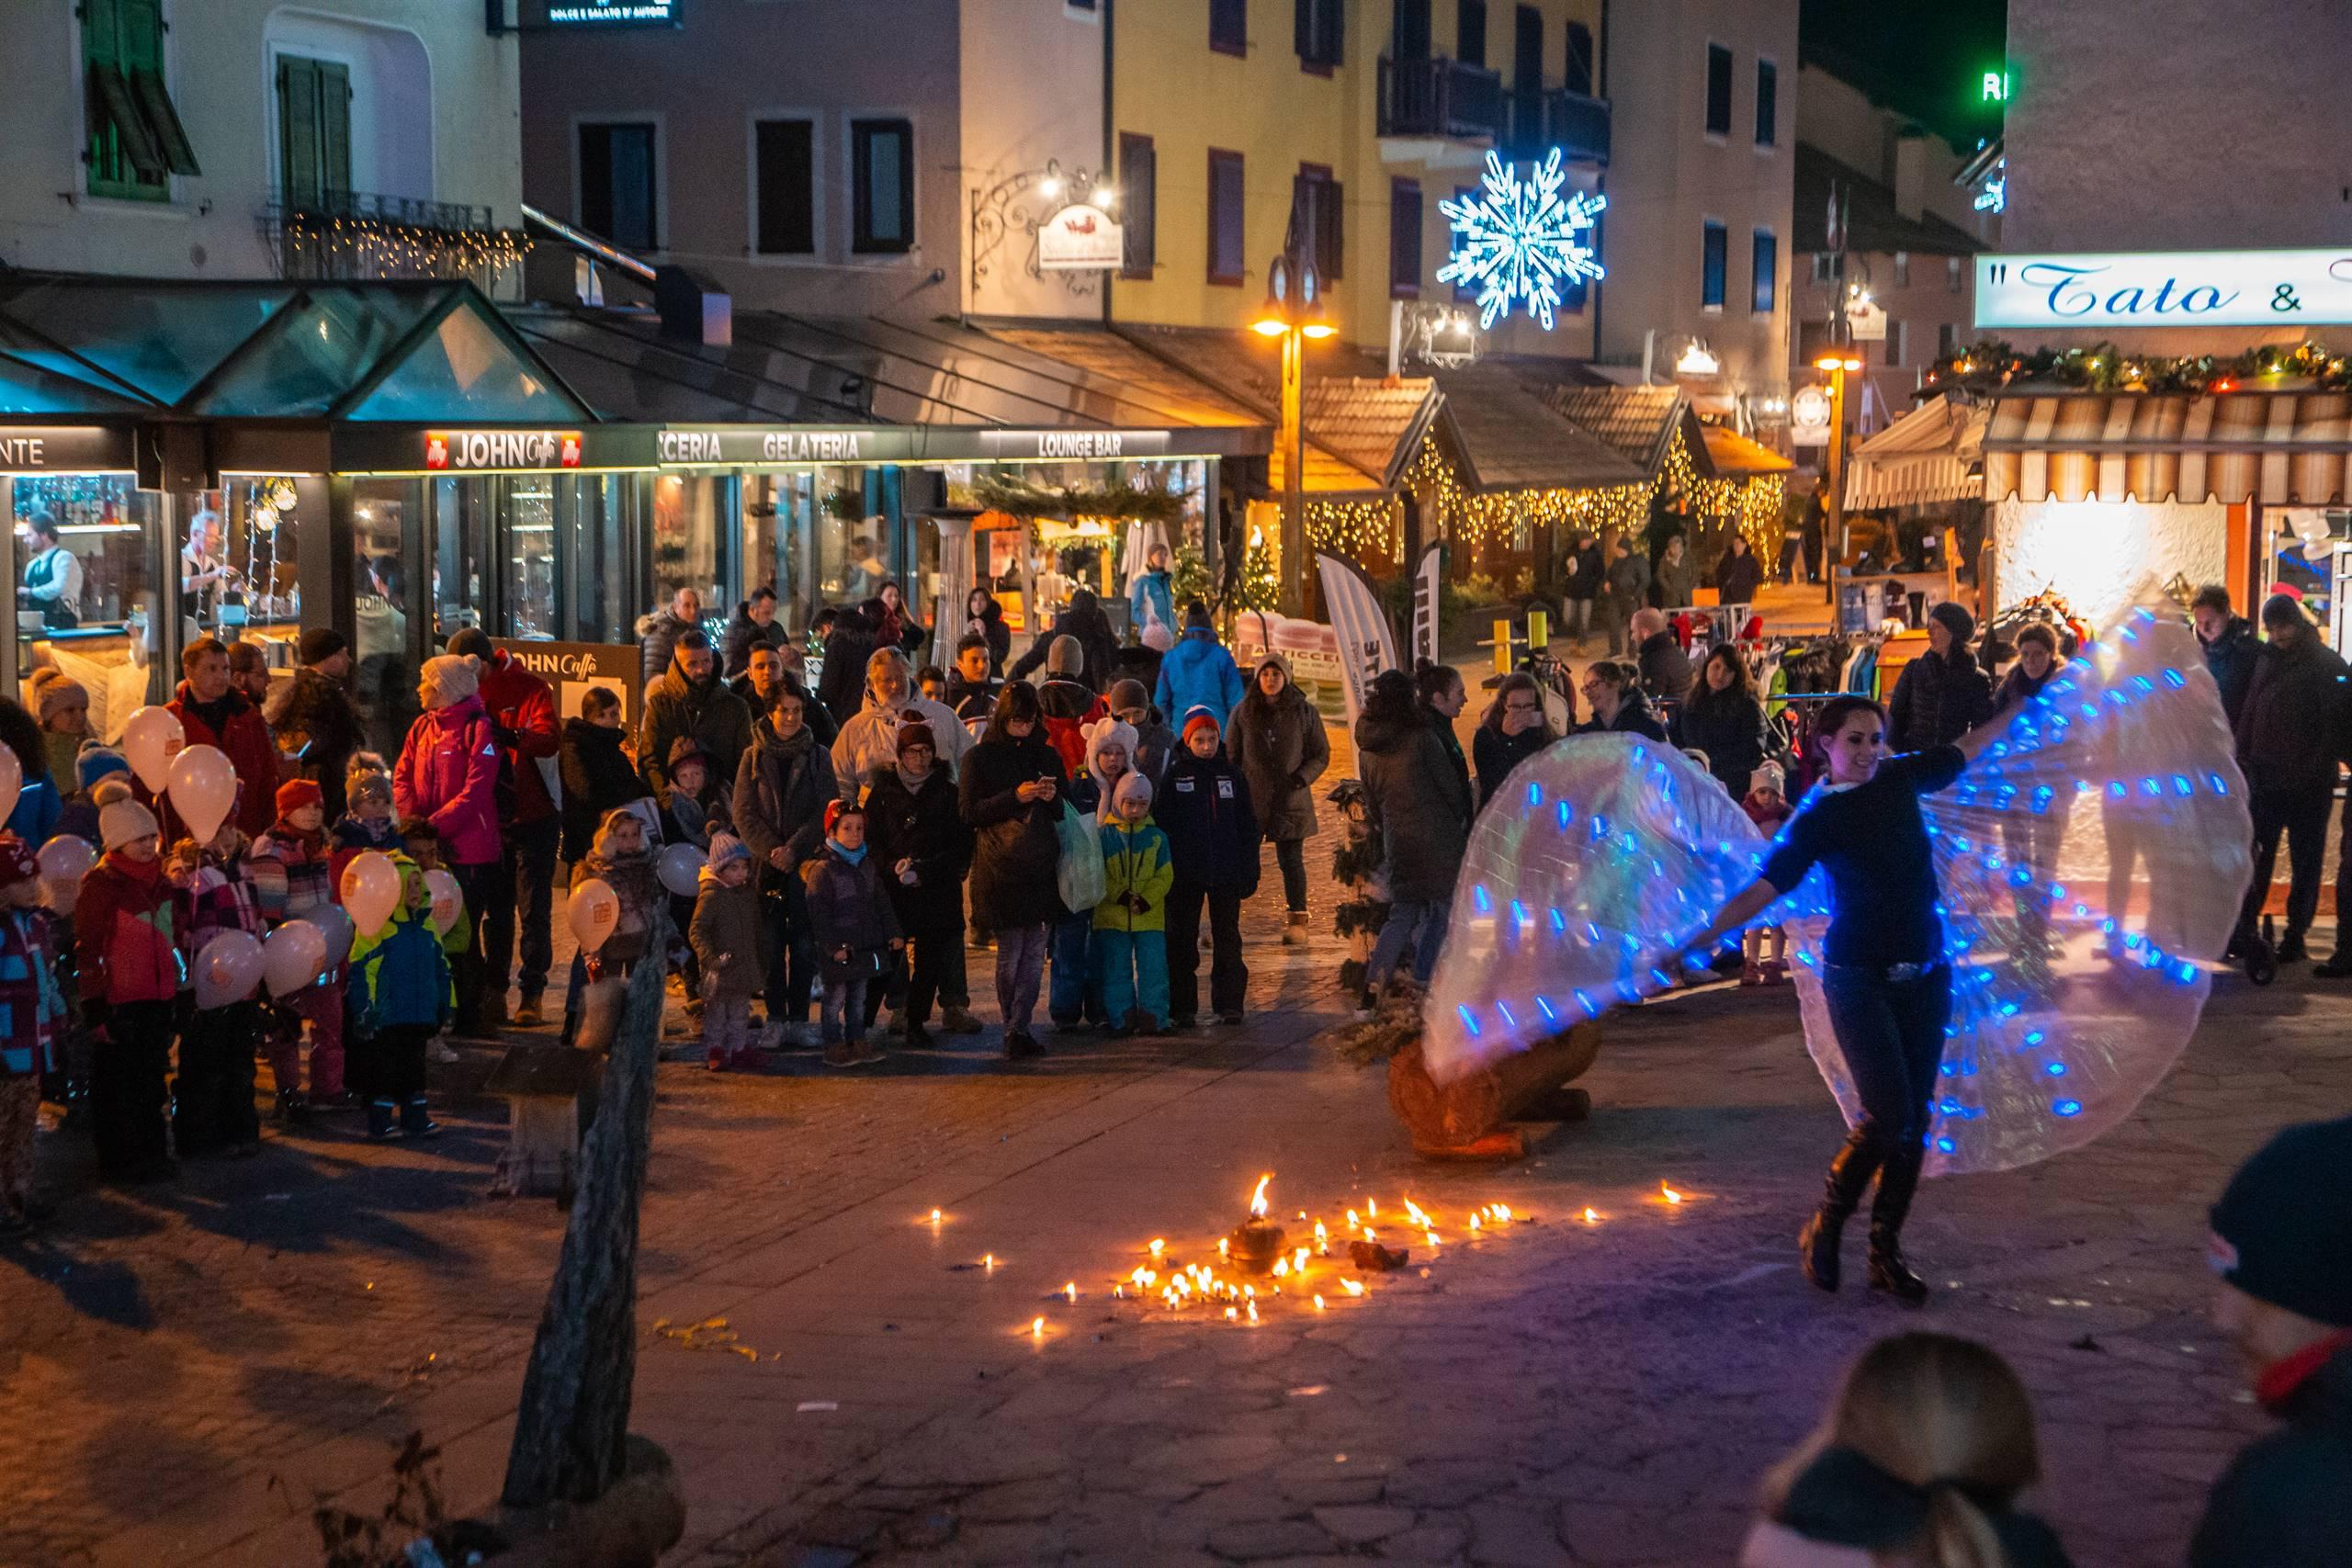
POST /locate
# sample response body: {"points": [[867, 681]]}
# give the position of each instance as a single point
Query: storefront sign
{"points": [[1072, 445], [474, 449], [1809, 416], [727, 447], [2166, 288], [1082, 237], [616, 14], [573, 667], [63, 449], [1865, 320]]}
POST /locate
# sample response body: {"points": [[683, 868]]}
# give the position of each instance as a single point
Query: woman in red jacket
{"points": [[448, 775], [128, 965]]}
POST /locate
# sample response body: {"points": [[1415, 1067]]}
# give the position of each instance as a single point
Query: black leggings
{"points": [[1291, 855], [1892, 1035]]}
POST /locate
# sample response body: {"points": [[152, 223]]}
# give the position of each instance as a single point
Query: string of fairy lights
{"points": [[378, 248]]}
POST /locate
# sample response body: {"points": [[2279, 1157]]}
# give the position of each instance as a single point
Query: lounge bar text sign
{"points": [[2166, 288]]}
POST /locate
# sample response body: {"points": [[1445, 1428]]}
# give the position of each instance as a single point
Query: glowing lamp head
{"points": [[1050, 187], [1104, 196], [1317, 329], [1270, 326]]}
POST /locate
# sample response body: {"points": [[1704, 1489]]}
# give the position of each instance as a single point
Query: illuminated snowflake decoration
{"points": [[1522, 240]]}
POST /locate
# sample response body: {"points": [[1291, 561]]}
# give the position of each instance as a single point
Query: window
{"points": [[1768, 104], [1319, 33], [1408, 30], [784, 172], [1898, 342], [1318, 221], [1139, 204], [882, 186], [1718, 90], [313, 131], [1953, 270], [135, 143], [1229, 25], [1225, 264], [1766, 252], [1404, 239], [1579, 62], [1527, 75], [1947, 340], [617, 185], [1711, 266], [1470, 33], [1903, 269], [1827, 266]]}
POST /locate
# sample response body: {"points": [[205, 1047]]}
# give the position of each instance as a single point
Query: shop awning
{"points": [[1734, 457], [2278, 447], [1508, 437], [1928, 456]]}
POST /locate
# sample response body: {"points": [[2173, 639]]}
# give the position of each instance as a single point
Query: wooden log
{"points": [[572, 1426], [1444, 1116]]}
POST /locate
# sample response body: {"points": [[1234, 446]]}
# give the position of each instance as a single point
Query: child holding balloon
{"points": [[213, 1095], [128, 969], [32, 1020], [292, 875], [400, 986]]}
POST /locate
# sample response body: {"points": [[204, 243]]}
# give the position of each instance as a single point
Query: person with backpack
{"points": [[448, 774]]}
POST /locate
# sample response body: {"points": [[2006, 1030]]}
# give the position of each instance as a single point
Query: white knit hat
{"points": [[121, 816], [455, 677]]}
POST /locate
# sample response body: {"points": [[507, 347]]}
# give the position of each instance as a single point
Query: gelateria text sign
{"points": [[2166, 288]]}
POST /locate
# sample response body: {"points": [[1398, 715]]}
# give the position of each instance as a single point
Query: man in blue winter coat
{"points": [[1198, 672]]}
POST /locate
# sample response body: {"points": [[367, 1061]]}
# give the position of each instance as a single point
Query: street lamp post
{"points": [[1292, 312], [1833, 521]]}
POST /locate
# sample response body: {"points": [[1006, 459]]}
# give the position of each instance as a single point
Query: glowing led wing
{"points": [[1594, 854], [1522, 240], [2092, 864]]}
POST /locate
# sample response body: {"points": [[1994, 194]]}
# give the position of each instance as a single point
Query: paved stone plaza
{"points": [[184, 1367]]}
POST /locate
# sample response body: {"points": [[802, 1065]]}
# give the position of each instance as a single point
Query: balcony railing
{"points": [[1577, 125], [360, 236], [1440, 97]]}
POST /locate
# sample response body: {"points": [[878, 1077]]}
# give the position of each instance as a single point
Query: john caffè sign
{"points": [[2166, 288]]}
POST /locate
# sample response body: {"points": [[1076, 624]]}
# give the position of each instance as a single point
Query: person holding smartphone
{"points": [[1010, 791]]}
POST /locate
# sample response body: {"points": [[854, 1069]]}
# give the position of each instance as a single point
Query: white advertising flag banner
{"points": [[1366, 645], [1425, 589], [2166, 288]]}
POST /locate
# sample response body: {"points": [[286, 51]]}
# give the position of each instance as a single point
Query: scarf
{"points": [[854, 856], [284, 832], [914, 783]]}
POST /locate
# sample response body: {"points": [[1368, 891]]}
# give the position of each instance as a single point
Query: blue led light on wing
{"points": [[1534, 794], [2056, 1069], [2068, 1107], [1469, 1019]]}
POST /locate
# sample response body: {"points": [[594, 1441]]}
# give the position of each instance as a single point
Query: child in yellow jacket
{"points": [[1131, 922]]}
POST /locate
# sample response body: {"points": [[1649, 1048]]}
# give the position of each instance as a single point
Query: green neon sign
{"points": [[1996, 87]]}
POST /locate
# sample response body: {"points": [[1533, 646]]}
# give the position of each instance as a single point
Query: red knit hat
{"points": [[296, 794], [1199, 716], [16, 862]]}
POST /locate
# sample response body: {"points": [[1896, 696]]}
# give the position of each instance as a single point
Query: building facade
{"points": [[1701, 187], [243, 138]]}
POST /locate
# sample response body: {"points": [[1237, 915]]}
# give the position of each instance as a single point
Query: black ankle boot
{"points": [[1898, 1179], [1850, 1173]]}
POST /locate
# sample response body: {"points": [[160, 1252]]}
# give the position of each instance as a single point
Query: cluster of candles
{"points": [[1303, 1271]]}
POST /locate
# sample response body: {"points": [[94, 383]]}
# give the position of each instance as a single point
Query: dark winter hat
{"points": [[2282, 1232], [16, 862], [1196, 613], [916, 732], [1127, 694], [95, 760], [2283, 609], [319, 644], [687, 749], [296, 794], [471, 640], [1956, 620]]}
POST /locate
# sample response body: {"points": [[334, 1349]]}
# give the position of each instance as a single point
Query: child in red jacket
{"points": [[32, 1019], [127, 958]]}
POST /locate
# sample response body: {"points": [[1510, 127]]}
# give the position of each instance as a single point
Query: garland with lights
{"points": [[1120, 502], [1991, 365], [369, 247], [1356, 529]]}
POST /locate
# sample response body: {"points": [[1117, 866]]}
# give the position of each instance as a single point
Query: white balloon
{"points": [[335, 928], [12, 781], [151, 738], [678, 866], [371, 891], [448, 899], [594, 909], [294, 957], [228, 969], [64, 861], [203, 789]]}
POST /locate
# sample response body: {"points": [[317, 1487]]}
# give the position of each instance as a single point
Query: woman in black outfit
{"points": [[1942, 694], [1724, 719], [1738, 575], [1010, 789], [1884, 972], [1512, 730], [1619, 705], [987, 618]]}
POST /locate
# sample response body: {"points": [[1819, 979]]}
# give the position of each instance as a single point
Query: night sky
{"points": [[1926, 58]]}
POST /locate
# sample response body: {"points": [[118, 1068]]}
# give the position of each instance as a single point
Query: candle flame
{"points": [[1037, 1327], [1474, 1222], [1353, 1222], [1231, 1314], [1432, 1236], [1224, 1246], [1258, 1198], [1253, 1312], [1590, 1215], [987, 1260], [1502, 1213], [1352, 1287], [935, 1216], [1071, 1289], [1671, 1195], [1320, 1233], [1298, 1261], [1282, 1267], [1318, 1303], [1158, 1246], [1371, 1207]]}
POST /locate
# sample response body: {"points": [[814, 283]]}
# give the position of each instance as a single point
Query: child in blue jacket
{"points": [[1204, 808], [401, 996]]}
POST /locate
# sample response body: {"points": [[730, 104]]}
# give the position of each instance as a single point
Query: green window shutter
{"points": [[297, 130], [164, 121], [99, 28], [131, 141], [334, 128]]}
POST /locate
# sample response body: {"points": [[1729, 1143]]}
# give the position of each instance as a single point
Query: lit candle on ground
{"points": [[1037, 1329], [1670, 1195]]}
